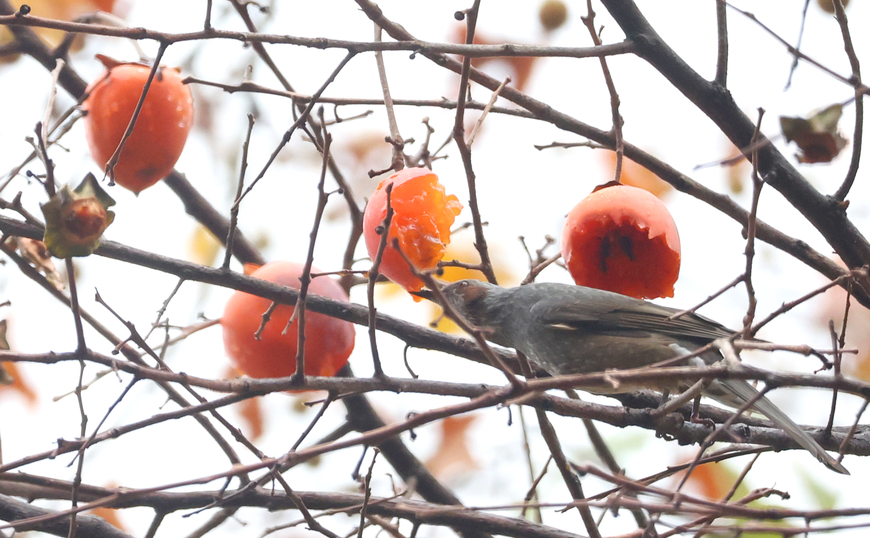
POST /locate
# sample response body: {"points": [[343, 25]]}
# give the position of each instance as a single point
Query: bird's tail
{"points": [[742, 391]]}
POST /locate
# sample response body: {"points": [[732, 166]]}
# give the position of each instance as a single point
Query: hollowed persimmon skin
{"points": [[622, 239], [161, 129], [328, 341], [423, 215]]}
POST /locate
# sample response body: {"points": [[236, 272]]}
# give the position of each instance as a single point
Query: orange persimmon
{"points": [[161, 128], [423, 215], [328, 341], [622, 239]]}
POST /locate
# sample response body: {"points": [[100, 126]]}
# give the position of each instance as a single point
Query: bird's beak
{"points": [[424, 294]]}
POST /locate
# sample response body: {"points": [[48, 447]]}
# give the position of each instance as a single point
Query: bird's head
{"points": [[467, 297]]}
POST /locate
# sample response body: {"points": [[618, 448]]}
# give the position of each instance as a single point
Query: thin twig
{"points": [[709, 299], [109, 169], [798, 54], [568, 475], [751, 229], [854, 428], [532, 493], [60, 128], [396, 140], [367, 493], [301, 120], [305, 279], [838, 358], [384, 230], [800, 300], [164, 306], [81, 349], [800, 38], [44, 131], [858, 136], [717, 432], [126, 350], [206, 25], [265, 317], [536, 270], [310, 520], [721, 77], [74, 306], [493, 98], [234, 210], [615, 116], [465, 152], [320, 411]]}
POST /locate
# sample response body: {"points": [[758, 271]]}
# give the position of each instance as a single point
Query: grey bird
{"points": [[568, 329]]}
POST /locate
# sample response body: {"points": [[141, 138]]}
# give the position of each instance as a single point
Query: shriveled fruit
{"points": [[828, 5], [552, 14], [328, 341], [423, 215], [622, 239], [75, 218], [161, 128]]}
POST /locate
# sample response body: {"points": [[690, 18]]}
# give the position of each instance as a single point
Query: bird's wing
{"points": [[605, 312]]}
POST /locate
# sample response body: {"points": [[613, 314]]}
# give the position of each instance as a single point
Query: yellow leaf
{"points": [[203, 246]]}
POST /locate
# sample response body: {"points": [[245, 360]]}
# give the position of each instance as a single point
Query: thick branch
{"points": [[416, 511], [825, 213], [86, 526]]}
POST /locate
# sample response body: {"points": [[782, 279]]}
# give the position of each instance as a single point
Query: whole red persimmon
{"points": [[622, 239], [161, 128], [423, 215], [328, 341]]}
